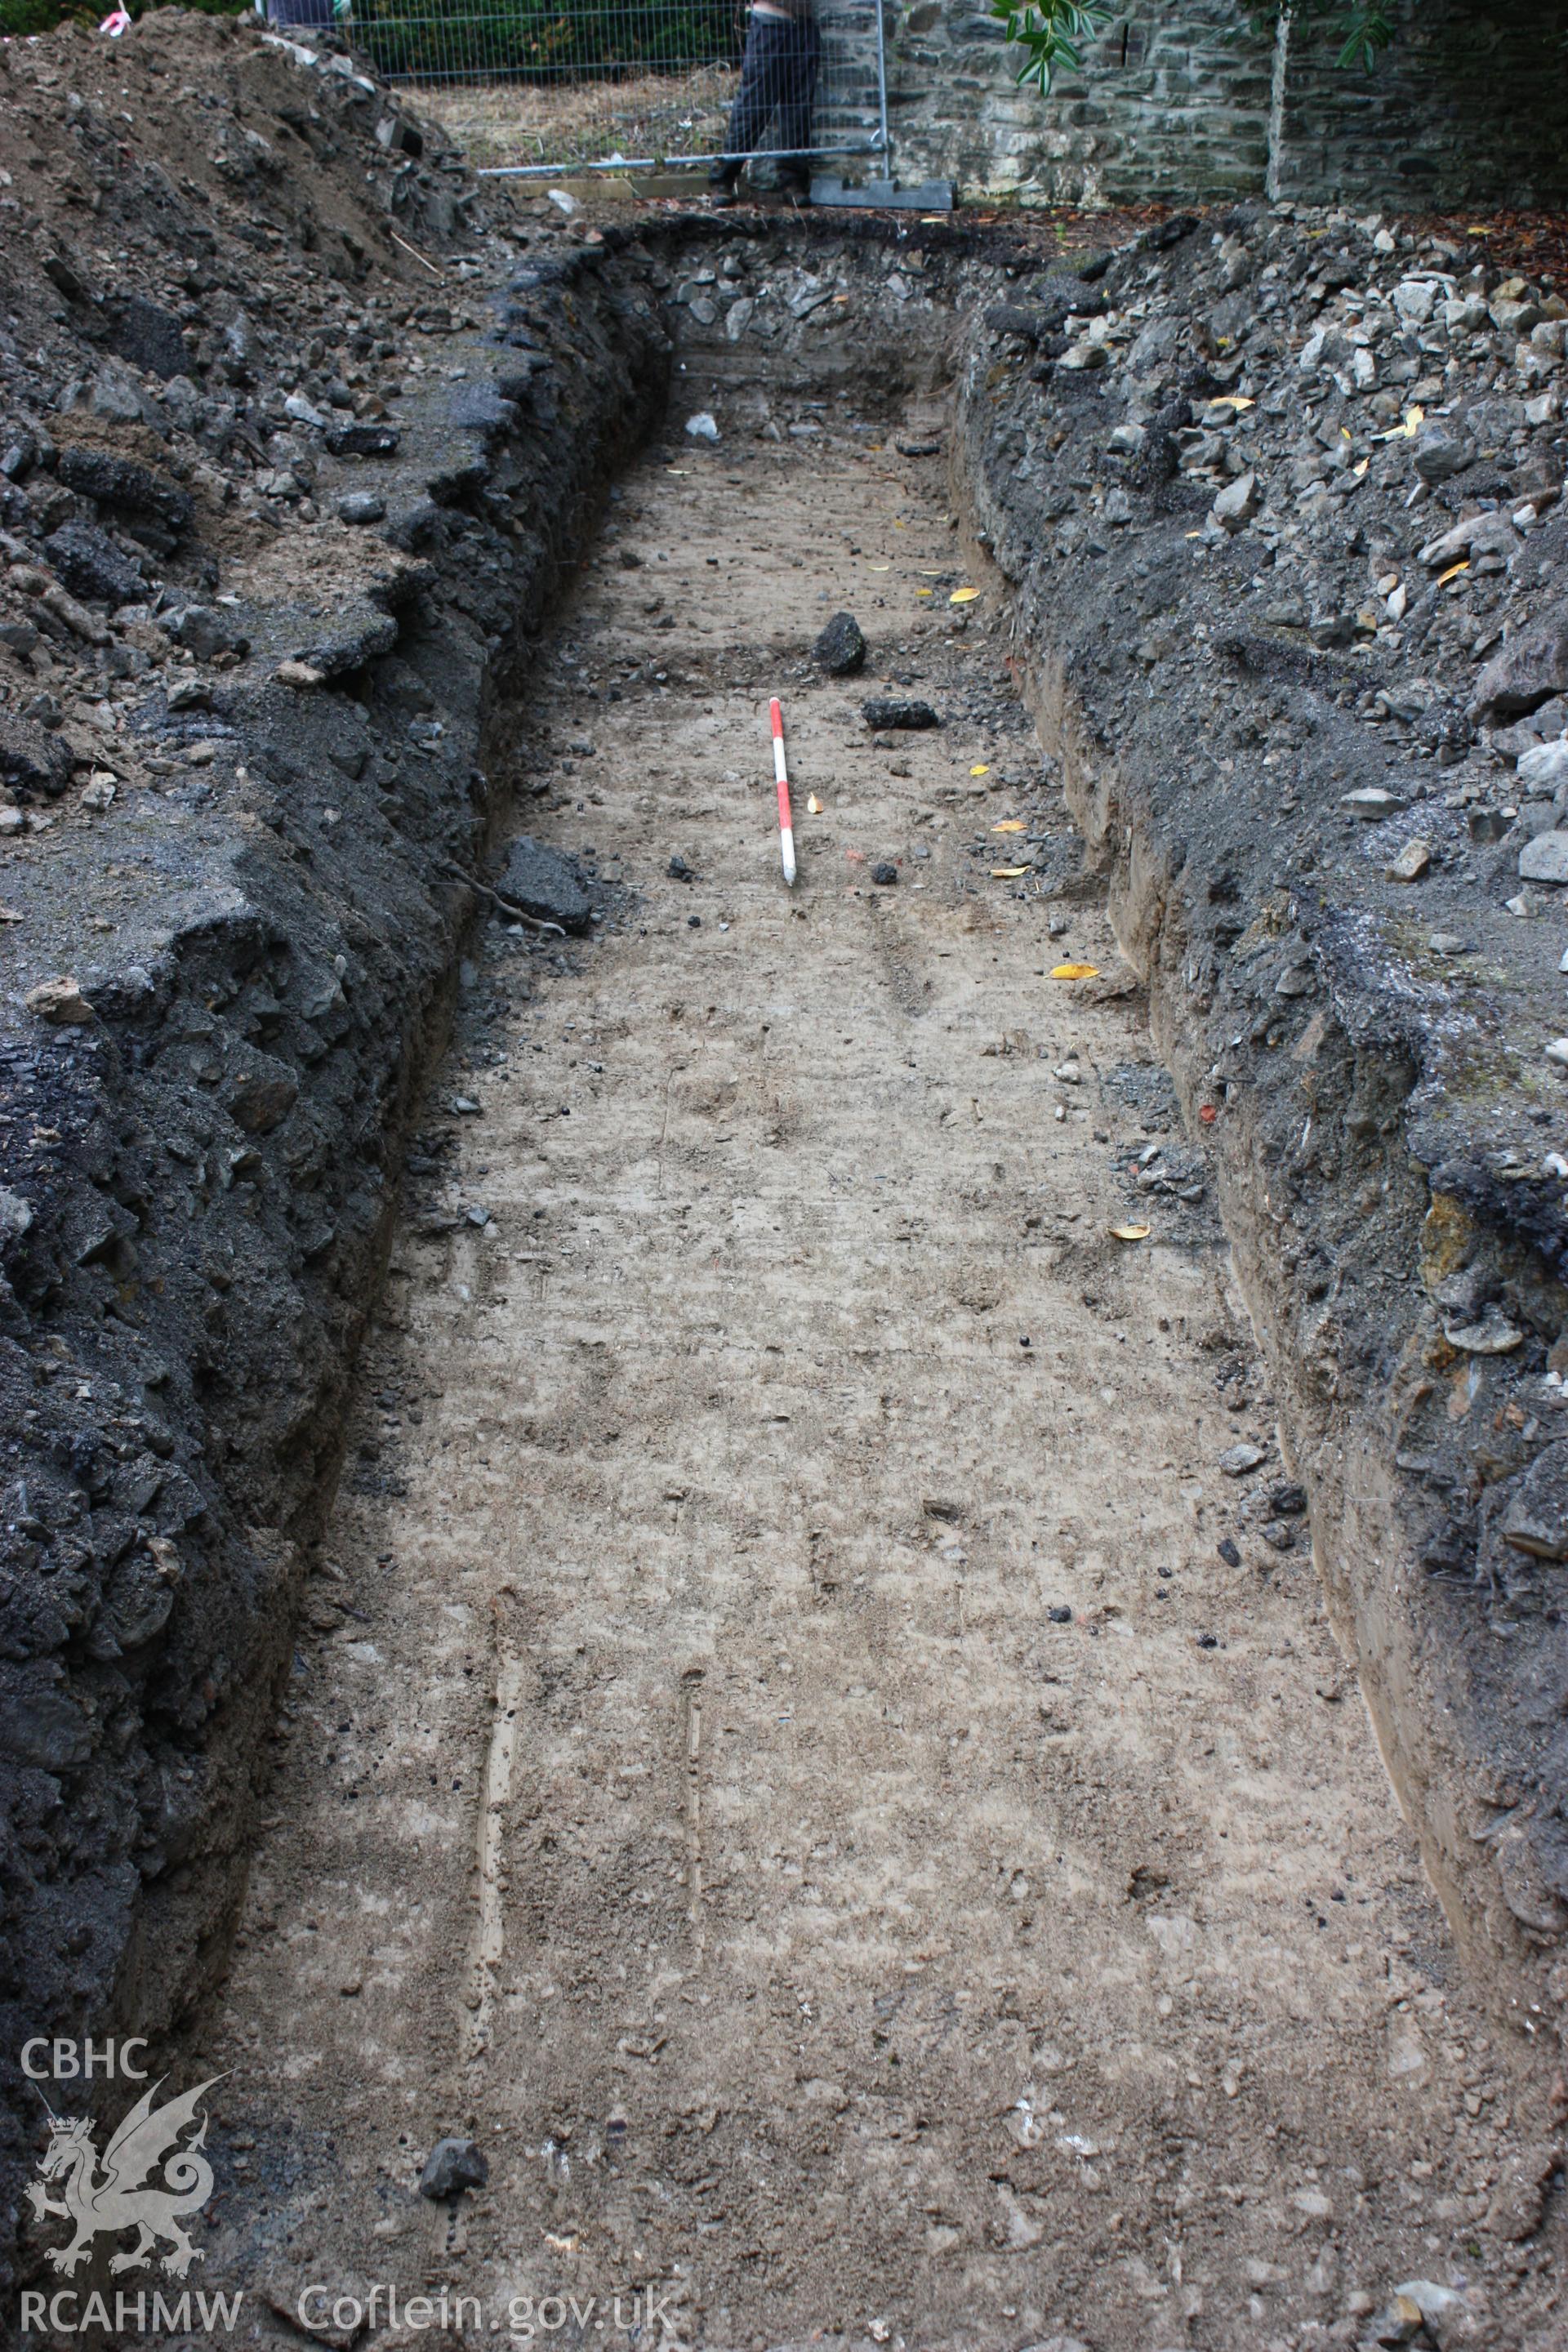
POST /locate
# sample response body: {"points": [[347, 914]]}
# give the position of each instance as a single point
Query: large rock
{"points": [[207, 630], [1535, 1518], [363, 440], [122, 483], [547, 883], [1236, 502], [840, 650], [1544, 768], [884, 711], [1441, 453], [31, 759], [1544, 859], [1530, 669], [149, 338], [92, 566]]}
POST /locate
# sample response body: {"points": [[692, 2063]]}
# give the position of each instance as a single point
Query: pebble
{"points": [[453, 2165], [885, 874], [702, 426], [361, 506], [1237, 1460]]}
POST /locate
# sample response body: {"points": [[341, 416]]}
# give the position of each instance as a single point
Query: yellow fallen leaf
{"points": [[1009, 824], [925, 592], [899, 526], [881, 567], [1129, 1232], [1232, 400], [1357, 471], [980, 771], [963, 595], [1009, 872], [813, 805], [1075, 971], [1344, 432], [1452, 573]]}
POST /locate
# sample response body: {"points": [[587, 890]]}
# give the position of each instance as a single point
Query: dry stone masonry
{"points": [[1190, 99]]}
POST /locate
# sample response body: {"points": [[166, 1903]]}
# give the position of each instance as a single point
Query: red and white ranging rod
{"points": [[786, 822]]}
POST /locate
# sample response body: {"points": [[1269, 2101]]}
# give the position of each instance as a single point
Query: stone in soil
{"points": [[887, 711], [453, 2165], [547, 883], [840, 649]]}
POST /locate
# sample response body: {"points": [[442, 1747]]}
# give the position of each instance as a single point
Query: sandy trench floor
{"points": [[693, 1787]]}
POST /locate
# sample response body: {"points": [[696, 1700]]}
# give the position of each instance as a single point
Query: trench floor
{"points": [[693, 1787]]}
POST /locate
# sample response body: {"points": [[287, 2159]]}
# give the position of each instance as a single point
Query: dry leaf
{"points": [[963, 595], [980, 771], [925, 592], [9, 915], [1008, 823], [1129, 1232], [880, 567], [1075, 971], [1009, 872], [1452, 573]]}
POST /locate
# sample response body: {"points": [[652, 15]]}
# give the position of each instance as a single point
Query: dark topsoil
{"points": [[246, 763]]}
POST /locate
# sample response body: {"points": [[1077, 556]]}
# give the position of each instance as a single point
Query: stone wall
{"points": [[1174, 101], [1469, 107], [1187, 98]]}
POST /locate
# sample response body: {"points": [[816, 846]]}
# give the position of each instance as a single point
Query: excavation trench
{"points": [[797, 1748]]}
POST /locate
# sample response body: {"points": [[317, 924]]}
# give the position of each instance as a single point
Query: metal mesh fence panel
{"points": [[594, 84]]}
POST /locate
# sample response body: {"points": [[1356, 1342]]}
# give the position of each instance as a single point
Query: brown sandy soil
{"points": [[688, 1791]]}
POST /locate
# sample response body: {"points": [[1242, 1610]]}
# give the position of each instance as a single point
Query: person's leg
{"points": [[794, 107], [754, 101]]}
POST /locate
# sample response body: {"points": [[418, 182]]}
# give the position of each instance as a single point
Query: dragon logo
{"points": [[123, 2196]]}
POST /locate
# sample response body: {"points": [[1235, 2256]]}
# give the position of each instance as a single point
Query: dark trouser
{"points": [[778, 75]]}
